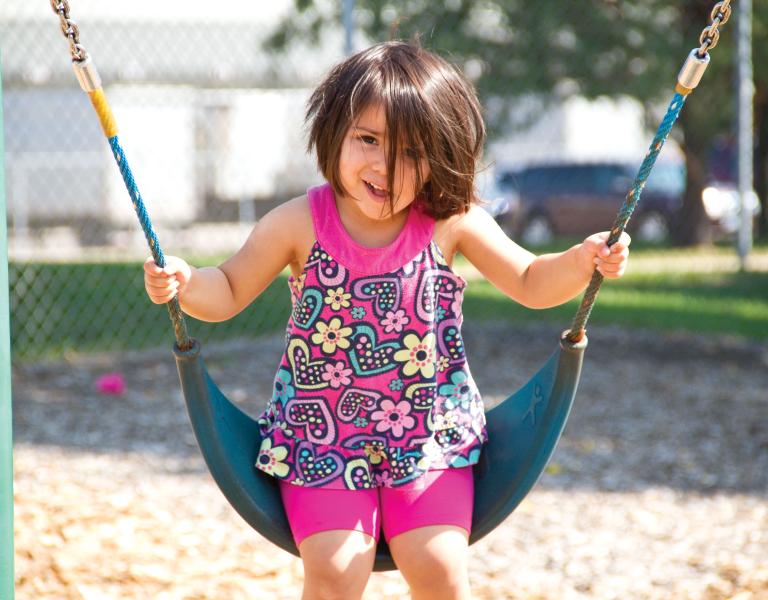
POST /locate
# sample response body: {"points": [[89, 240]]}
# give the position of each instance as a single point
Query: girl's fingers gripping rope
{"points": [[612, 262], [161, 285]]}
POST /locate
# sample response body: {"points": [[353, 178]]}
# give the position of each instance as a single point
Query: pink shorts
{"points": [[438, 498]]}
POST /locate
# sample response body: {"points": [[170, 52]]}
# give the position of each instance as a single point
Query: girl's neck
{"points": [[372, 233]]}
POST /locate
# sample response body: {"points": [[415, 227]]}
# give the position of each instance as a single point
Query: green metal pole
{"points": [[6, 430]]}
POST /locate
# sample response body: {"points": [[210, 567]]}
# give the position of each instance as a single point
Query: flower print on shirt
{"points": [[393, 417], [283, 390], [431, 452], [336, 375], [337, 298], [457, 392], [269, 417], [285, 428], [375, 453], [418, 355], [408, 410], [444, 421], [270, 459], [395, 321], [383, 478], [331, 335]]}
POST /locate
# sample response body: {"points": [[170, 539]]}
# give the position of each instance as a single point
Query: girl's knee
{"points": [[337, 564], [434, 561], [440, 575]]}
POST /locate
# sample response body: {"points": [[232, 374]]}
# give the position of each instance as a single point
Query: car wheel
{"points": [[652, 227], [537, 230]]}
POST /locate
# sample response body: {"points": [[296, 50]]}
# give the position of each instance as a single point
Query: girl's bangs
{"points": [[402, 106]]}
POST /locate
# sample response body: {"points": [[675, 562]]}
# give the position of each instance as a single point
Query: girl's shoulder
{"points": [[294, 218], [451, 231], [297, 207]]}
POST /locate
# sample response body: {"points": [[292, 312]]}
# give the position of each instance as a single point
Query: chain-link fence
{"points": [[212, 126]]}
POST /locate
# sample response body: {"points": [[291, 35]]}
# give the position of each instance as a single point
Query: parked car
{"points": [[573, 199]]}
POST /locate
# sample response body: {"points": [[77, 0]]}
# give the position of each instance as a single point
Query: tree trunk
{"points": [[693, 227]]}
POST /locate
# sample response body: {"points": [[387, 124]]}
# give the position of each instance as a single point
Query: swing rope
{"points": [[578, 326], [90, 82], [687, 80], [183, 340]]}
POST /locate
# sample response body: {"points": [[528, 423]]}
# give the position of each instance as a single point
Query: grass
{"points": [[57, 309], [735, 304], [666, 289]]}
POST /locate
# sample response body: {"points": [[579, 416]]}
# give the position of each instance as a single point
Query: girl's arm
{"points": [[219, 293], [535, 281]]}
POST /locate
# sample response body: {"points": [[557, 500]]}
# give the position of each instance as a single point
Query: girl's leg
{"points": [[336, 533], [337, 564], [433, 561], [427, 526]]}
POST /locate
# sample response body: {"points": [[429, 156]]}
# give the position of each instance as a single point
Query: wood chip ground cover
{"points": [[658, 489]]}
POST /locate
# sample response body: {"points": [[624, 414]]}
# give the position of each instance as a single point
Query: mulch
{"points": [[658, 489]]}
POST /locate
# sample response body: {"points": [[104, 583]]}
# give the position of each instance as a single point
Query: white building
{"points": [[211, 124], [577, 130], [206, 117]]}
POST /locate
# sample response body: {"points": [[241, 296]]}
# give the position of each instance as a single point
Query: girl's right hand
{"points": [[163, 285]]}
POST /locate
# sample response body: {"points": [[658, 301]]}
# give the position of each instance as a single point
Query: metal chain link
{"points": [[709, 37], [69, 30]]}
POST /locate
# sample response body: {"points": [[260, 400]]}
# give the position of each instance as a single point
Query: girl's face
{"points": [[363, 167]]}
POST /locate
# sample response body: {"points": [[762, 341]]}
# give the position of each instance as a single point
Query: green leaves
{"points": [[514, 48]]}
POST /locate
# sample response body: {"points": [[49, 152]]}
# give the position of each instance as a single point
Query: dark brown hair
{"points": [[428, 104]]}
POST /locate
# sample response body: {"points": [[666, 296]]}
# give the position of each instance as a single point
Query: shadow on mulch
{"points": [[677, 411]]}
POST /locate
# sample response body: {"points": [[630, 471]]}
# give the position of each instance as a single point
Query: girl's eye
{"points": [[368, 139]]}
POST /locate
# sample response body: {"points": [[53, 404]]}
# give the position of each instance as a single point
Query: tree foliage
{"points": [[591, 48]]}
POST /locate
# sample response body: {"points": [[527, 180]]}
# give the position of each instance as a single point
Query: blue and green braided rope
{"points": [[576, 332], [174, 309]]}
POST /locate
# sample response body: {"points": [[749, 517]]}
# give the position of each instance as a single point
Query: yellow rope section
{"points": [[102, 108]]}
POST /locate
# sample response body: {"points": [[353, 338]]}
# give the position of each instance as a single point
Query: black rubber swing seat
{"points": [[523, 432]]}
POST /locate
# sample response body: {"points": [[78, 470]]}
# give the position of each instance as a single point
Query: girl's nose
{"points": [[378, 160]]}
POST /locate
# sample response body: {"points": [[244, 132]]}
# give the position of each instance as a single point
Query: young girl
{"points": [[374, 421]]}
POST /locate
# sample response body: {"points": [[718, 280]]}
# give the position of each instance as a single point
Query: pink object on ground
{"points": [[111, 384]]}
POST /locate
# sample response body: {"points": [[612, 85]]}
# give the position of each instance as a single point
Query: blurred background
{"points": [[659, 486], [210, 103]]}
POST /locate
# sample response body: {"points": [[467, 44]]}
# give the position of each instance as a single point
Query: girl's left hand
{"points": [[611, 262]]}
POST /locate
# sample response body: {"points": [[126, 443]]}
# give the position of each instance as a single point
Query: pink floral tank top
{"points": [[373, 388]]}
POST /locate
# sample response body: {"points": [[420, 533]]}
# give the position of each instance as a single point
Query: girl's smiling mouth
{"points": [[374, 190]]}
